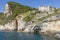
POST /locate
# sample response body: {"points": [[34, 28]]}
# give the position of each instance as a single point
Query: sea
{"points": [[25, 36]]}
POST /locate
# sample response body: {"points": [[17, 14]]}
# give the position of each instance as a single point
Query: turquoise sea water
{"points": [[24, 36]]}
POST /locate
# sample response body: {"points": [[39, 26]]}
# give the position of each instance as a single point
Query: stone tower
{"points": [[7, 10]]}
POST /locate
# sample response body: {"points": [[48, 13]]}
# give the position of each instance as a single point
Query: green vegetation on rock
{"points": [[28, 12], [16, 9], [49, 15], [28, 18]]}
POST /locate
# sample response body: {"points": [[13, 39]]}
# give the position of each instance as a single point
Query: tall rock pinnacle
{"points": [[7, 10]]}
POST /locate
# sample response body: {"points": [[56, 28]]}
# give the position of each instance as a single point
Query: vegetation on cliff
{"points": [[49, 15], [16, 9]]}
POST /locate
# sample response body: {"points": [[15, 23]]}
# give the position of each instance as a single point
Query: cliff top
{"points": [[30, 14], [16, 9]]}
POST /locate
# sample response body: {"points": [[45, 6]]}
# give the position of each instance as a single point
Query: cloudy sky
{"points": [[32, 3]]}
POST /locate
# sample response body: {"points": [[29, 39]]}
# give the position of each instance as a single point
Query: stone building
{"points": [[45, 8]]}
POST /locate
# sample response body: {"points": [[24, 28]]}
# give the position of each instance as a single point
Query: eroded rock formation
{"points": [[37, 20]]}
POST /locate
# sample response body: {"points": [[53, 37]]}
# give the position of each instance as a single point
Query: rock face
{"points": [[8, 26], [25, 26], [51, 24], [7, 11], [21, 23], [42, 20]]}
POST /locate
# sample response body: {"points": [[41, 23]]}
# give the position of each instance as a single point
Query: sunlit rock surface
{"points": [[45, 8], [7, 10], [8, 26], [51, 24], [44, 19]]}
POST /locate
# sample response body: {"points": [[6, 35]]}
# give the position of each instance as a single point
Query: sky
{"points": [[32, 3]]}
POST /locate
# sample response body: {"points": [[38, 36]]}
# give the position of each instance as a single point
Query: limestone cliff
{"points": [[7, 11], [26, 19], [9, 26]]}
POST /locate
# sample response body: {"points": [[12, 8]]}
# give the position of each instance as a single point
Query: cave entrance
{"points": [[36, 29], [16, 23], [16, 26]]}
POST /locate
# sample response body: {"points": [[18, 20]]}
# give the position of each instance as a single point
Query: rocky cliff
{"points": [[27, 19]]}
